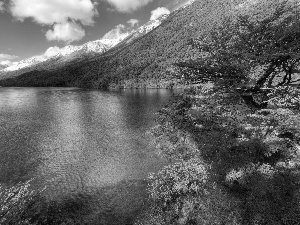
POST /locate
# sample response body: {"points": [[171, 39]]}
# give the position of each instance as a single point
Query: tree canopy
{"points": [[233, 139]]}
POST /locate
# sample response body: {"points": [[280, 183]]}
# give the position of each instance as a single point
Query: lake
{"points": [[88, 147]]}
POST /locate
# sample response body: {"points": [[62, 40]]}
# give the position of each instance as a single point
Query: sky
{"points": [[38, 27]]}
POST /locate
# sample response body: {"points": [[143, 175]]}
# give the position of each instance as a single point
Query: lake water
{"points": [[88, 147]]}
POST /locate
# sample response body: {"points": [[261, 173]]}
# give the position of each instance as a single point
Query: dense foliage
{"points": [[233, 139], [144, 62]]}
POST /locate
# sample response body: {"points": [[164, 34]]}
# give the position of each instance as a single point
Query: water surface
{"points": [[85, 145]]}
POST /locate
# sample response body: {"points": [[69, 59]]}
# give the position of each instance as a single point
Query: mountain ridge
{"points": [[145, 62], [71, 52], [97, 46]]}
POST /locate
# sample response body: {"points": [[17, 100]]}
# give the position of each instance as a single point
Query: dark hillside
{"points": [[145, 62]]}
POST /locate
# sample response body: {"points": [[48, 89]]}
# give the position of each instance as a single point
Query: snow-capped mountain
{"points": [[24, 63], [70, 52], [146, 61], [144, 29], [98, 46], [151, 24], [188, 4], [67, 50]]}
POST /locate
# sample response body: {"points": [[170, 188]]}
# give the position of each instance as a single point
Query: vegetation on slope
{"points": [[145, 62], [233, 141]]}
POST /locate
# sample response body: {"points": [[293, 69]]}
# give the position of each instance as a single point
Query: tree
{"points": [[241, 122]]}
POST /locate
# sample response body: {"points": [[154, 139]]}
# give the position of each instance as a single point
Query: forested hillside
{"points": [[145, 62], [233, 140]]}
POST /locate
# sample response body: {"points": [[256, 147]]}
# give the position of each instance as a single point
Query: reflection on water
{"points": [[80, 143]]}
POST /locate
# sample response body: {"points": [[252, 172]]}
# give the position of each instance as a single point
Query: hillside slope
{"points": [[66, 54], [144, 62]]}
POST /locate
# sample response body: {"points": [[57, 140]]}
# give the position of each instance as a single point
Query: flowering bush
{"points": [[181, 178]]}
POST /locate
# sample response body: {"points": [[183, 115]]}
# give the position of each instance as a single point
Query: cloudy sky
{"points": [[31, 27]]}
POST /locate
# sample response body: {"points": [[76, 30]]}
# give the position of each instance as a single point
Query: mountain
{"points": [[65, 54], [72, 53], [23, 63], [144, 29], [144, 61]]}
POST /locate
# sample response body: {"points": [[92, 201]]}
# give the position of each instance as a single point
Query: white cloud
{"points": [[6, 60], [49, 53], [52, 51], [7, 57], [1, 6], [128, 5], [159, 12], [133, 22], [174, 4], [119, 32], [54, 11], [66, 32], [58, 13], [6, 63]]}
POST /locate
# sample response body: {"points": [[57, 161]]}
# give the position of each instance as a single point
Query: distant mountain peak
{"points": [[98, 46], [72, 51], [23, 63], [144, 29]]}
